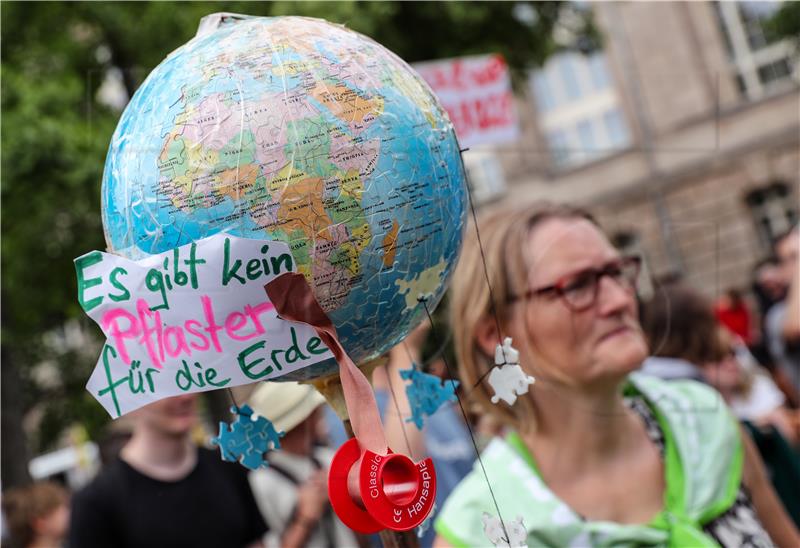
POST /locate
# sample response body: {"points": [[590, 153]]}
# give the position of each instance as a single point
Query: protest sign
{"points": [[476, 92], [191, 319]]}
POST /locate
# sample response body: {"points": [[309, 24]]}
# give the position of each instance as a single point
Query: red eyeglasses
{"points": [[579, 291]]}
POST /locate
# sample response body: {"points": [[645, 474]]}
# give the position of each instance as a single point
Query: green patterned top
{"points": [[703, 467]]}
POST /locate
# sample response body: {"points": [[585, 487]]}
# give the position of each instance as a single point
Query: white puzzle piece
{"points": [[507, 378], [493, 529]]}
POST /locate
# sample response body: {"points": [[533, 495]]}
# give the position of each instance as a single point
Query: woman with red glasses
{"points": [[596, 455]]}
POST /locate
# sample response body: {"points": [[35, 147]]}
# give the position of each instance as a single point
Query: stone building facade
{"points": [[682, 136]]}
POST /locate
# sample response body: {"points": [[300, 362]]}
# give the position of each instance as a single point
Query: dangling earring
{"points": [[507, 378]]}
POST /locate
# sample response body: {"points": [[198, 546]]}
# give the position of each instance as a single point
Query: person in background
{"points": [[761, 406], [782, 325], [749, 390], [292, 492], [37, 514], [767, 289], [768, 286], [444, 436], [732, 311], [163, 490], [681, 330], [599, 455], [680, 326]]}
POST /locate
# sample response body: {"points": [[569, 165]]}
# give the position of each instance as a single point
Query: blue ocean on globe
{"points": [[298, 130]]}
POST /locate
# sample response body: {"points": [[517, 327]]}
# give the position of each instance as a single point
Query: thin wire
{"points": [[438, 352], [424, 302], [233, 400], [492, 307], [480, 379]]}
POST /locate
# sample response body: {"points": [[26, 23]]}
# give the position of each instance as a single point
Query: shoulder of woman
{"points": [[460, 521], [460, 518]]}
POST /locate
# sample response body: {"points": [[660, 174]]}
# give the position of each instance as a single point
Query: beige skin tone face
{"points": [[171, 416], [52, 528], [161, 445], [599, 345], [726, 374]]}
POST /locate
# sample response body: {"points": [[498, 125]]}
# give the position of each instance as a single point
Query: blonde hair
{"points": [[504, 234]]}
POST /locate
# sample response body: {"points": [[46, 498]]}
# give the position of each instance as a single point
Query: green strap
{"points": [[683, 533]]}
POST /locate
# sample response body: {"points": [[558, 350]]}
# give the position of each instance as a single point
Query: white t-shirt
{"points": [[763, 398], [276, 496]]}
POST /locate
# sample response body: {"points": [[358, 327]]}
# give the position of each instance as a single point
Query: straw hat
{"points": [[285, 404]]}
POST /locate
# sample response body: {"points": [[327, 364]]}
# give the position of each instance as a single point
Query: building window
{"points": [[773, 211], [544, 97], [760, 66], [615, 127], [578, 108], [599, 71]]}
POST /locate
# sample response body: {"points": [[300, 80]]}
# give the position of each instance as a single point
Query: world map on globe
{"points": [[298, 130]]}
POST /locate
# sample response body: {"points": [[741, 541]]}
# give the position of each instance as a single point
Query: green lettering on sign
{"points": [[246, 367], [82, 263]]}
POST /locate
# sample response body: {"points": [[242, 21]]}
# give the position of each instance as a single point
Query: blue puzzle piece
{"points": [[426, 393], [261, 429], [247, 439], [229, 442]]}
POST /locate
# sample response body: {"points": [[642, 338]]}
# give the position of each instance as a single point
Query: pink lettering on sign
{"points": [[143, 309], [173, 341], [111, 326], [482, 113], [464, 73], [477, 94]]}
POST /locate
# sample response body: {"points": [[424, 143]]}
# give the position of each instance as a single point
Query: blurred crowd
{"points": [[157, 487]]}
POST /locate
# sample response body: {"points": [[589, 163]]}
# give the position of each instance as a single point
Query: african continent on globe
{"points": [[298, 130]]}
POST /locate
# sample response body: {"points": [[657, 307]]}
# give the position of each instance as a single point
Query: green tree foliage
{"points": [[55, 134], [785, 23]]}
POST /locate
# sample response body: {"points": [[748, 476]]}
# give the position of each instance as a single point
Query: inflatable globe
{"points": [[297, 130]]}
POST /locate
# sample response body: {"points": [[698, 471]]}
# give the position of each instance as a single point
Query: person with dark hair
{"points": [[749, 390], [37, 514], [680, 327], [598, 455], [767, 289], [162, 490], [782, 325], [768, 286]]}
